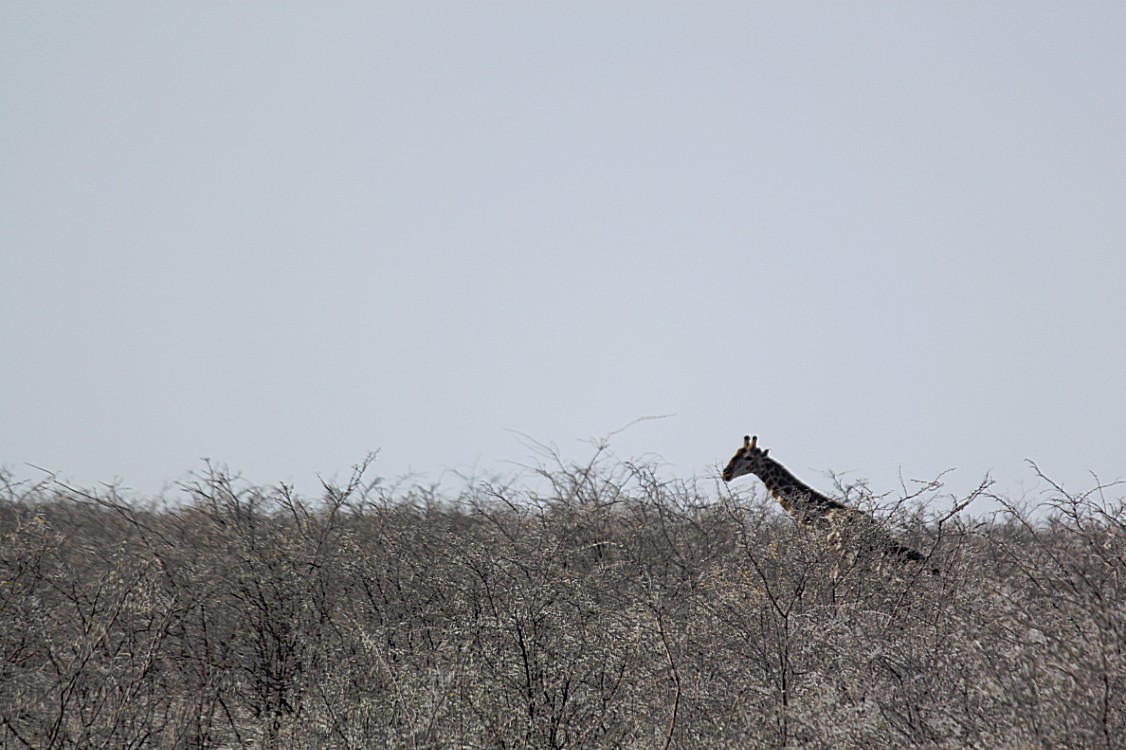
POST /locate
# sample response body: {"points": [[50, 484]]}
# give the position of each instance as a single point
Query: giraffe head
{"points": [[747, 460]]}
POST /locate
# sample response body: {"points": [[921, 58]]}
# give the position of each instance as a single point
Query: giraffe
{"points": [[841, 525]]}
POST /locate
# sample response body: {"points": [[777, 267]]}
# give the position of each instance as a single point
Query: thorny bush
{"points": [[595, 606]]}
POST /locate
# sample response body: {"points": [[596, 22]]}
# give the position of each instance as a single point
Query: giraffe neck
{"points": [[795, 497]]}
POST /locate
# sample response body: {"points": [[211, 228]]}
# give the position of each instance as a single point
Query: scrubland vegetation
{"points": [[589, 606]]}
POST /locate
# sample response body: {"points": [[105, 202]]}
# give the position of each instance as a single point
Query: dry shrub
{"points": [[592, 606]]}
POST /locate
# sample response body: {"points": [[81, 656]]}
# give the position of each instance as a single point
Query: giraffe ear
{"points": [[766, 453]]}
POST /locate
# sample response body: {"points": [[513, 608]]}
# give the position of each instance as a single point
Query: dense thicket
{"points": [[598, 606]]}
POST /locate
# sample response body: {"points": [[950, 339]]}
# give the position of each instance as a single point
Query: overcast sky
{"points": [[888, 238]]}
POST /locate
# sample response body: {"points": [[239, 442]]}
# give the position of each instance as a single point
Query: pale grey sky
{"points": [[883, 236]]}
